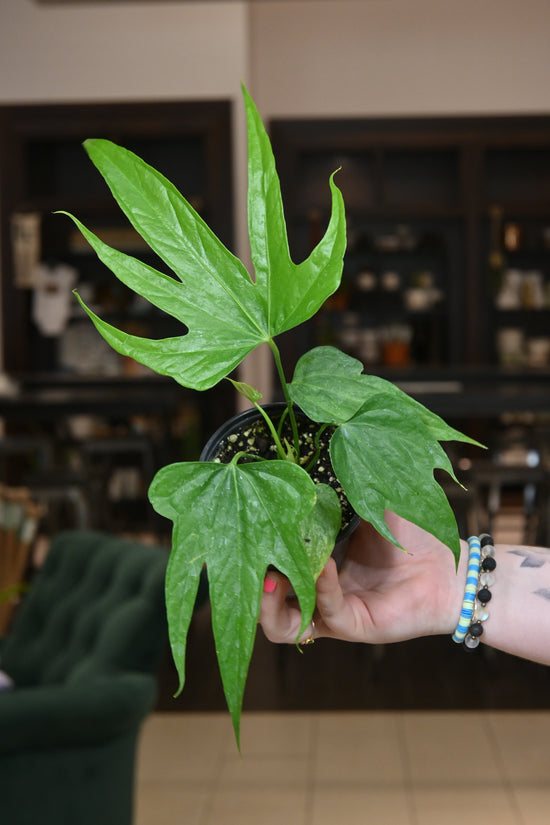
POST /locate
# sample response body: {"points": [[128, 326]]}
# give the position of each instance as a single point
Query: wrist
{"points": [[477, 594], [455, 591]]}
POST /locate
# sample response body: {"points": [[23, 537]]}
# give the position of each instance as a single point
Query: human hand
{"points": [[381, 593]]}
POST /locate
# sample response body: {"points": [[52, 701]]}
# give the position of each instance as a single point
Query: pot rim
{"points": [[237, 420]]}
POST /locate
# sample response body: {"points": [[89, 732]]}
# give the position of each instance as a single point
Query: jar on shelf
{"points": [[538, 351], [350, 334], [396, 345], [533, 290], [510, 293], [512, 237], [370, 346], [511, 346]]}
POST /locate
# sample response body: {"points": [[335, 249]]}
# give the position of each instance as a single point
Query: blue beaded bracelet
{"points": [[483, 596], [481, 566], [474, 562]]}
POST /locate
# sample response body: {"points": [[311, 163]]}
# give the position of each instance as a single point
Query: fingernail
{"points": [[269, 585]]}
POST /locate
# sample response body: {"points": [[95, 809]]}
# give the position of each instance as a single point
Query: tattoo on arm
{"points": [[534, 557]]}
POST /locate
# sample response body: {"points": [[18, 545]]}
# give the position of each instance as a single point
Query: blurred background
{"points": [[439, 118]]}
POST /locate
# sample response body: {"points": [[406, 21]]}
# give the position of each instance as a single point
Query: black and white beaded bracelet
{"points": [[486, 579]]}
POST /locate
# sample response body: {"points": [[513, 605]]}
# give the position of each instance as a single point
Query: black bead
{"points": [[475, 629], [485, 539], [488, 563], [484, 595]]}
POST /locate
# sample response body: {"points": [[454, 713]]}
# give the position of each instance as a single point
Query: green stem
{"points": [[280, 450], [317, 452], [243, 454], [282, 420], [288, 400]]}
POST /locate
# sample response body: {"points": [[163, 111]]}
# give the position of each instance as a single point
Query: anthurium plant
{"points": [[238, 518]]}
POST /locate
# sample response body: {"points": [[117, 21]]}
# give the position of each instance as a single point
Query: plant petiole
{"points": [[243, 454], [281, 452], [282, 420], [290, 406], [317, 446]]}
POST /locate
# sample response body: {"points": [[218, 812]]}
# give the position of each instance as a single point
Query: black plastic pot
{"points": [[216, 444]]}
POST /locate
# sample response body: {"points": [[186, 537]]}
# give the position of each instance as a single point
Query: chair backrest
{"points": [[96, 606]]}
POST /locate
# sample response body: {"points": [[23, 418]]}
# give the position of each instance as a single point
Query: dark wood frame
{"points": [[473, 138], [21, 123]]}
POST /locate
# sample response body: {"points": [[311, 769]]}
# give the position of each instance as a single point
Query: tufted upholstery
{"points": [[83, 652]]}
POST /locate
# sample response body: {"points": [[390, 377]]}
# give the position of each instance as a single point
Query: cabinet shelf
{"points": [[88, 206], [513, 209], [70, 203], [440, 177], [383, 211], [522, 315], [44, 168]]}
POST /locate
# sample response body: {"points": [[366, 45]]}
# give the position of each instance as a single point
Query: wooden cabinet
{"points": [[107, 424], [516, 196], [44, 168], [432, 205]]}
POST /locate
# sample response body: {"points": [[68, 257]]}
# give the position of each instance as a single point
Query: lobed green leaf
{"points": [[384, 457], [237, 519], [192, 360], [214, 278], [292, 292], [321, 397], [315, 391], [320, 528], [226, 313]]}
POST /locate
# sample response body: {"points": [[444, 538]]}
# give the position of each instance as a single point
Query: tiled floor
{"points": [[346, 768]]}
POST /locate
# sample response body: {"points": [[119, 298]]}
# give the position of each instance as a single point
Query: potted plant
{"points": [[240, 514]]}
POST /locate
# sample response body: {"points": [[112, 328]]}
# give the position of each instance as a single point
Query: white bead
{"points": [[487, 579], [481, 614], [471, 641], [488, 550]]}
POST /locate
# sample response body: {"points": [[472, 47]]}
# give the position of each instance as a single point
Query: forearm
{"points": [[519, 610], [381, 594]]}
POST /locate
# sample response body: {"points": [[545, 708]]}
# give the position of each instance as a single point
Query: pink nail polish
{"points": [[269, 585]]}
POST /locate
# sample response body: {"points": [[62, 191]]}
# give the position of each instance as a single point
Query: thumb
{"points": [[331, 603]]}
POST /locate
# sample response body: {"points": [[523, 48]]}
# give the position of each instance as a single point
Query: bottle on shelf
{"points": [[496, 260], [513, 236]]}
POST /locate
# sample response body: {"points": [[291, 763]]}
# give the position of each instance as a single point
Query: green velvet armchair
{"points": [[83, 653]]}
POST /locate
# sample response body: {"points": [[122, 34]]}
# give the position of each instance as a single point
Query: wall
{"points": [[298, 57], [126, 51], [94, 51], [130, 51], [400, 57]]}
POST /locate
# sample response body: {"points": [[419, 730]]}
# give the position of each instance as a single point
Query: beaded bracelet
{"points": [[474, 563], [483, 596]]}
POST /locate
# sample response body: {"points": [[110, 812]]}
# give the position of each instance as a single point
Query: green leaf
{"points": [[215, 280], [214, 297], [321, 397], [189, 359], [247, 390], [384, 458], [320, 528], [237, 519], [226, 313], [315, 391], [292, 292]]}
